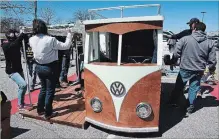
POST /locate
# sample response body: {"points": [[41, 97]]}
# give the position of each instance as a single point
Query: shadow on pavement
{"points": [[169, 116], [17, 131], [208, 101]]}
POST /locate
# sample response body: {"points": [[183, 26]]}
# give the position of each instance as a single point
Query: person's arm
{"points": [[181, 34], [178, 50], [62, 46], [212, 61], [16, 43]]}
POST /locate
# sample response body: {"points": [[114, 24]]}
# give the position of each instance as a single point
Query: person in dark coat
{"points": [[12, 52]]}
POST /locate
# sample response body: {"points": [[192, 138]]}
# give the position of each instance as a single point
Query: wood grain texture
{"points": [[122, 28], [94, 87], [146, 89], [71, 110]]}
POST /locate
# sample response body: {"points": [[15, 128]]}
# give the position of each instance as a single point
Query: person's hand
{"points": [[167, 36], [173, 62], [212, 70]]}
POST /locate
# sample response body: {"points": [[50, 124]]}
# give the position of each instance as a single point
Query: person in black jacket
{"points": [[14, 69], [185, 32]]}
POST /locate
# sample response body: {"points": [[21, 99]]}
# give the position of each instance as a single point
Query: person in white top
{"points": [[45, 49]]}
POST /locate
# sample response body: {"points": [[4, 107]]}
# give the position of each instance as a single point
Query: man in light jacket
{"points": [[195, 51]]}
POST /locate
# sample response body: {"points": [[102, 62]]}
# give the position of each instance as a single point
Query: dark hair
{"points": [[200, 26], [39, 27], [13, 36]]}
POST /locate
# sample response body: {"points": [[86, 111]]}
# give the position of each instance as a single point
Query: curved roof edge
{"points": [[125, 19]]}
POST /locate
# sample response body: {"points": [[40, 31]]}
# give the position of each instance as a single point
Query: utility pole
{"points": [[203, 13], [35, 9]]}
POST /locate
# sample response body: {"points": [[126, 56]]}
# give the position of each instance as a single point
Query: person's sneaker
{"points": [[75, 83], [64, 84], [57, 89], [54, 114], [198, 97], [22, 108], [27, 105], [190, 110]]}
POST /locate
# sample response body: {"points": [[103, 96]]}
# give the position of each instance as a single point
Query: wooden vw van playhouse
{"points": [[122, 71]]}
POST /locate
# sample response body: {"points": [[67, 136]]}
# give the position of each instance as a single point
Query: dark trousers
{"points": [[194, 78], [65, 67], [47, 75], [32, 72]]}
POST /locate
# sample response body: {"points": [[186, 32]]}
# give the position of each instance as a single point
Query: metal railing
{"points": [[121, 8]]}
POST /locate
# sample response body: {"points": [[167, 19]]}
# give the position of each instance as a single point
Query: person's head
{"points": [[200, 27], [192, 22], [39, 27], [11, 35]]}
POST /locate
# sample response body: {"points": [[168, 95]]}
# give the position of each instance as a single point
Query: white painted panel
{"points": [[160, 47], [128, 75], [119, 50], [123, 129], [86, 51], [91, 47]]}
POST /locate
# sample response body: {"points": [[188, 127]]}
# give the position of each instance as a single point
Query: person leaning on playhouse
{"points": [[195, 51]]}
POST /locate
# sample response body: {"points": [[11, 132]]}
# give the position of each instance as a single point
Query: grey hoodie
{"points": [[196, 51]]}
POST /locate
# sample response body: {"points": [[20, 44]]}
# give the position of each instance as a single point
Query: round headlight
{"points": [[96, 104], [143, 110]]}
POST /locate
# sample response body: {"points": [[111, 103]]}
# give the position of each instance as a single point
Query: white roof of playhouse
{"points": [[105, 20], [124, 19]]}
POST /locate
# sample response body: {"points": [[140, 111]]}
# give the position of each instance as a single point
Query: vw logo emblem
{"points": [[117, 89]]}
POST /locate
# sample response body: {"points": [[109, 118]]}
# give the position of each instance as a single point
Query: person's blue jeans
{"points": [[32, 73], [47, 75], [18, 78], [194, 78], [65, 67]]}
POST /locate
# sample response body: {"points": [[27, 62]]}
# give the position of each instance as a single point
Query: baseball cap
{"points": [[193, 20]]}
